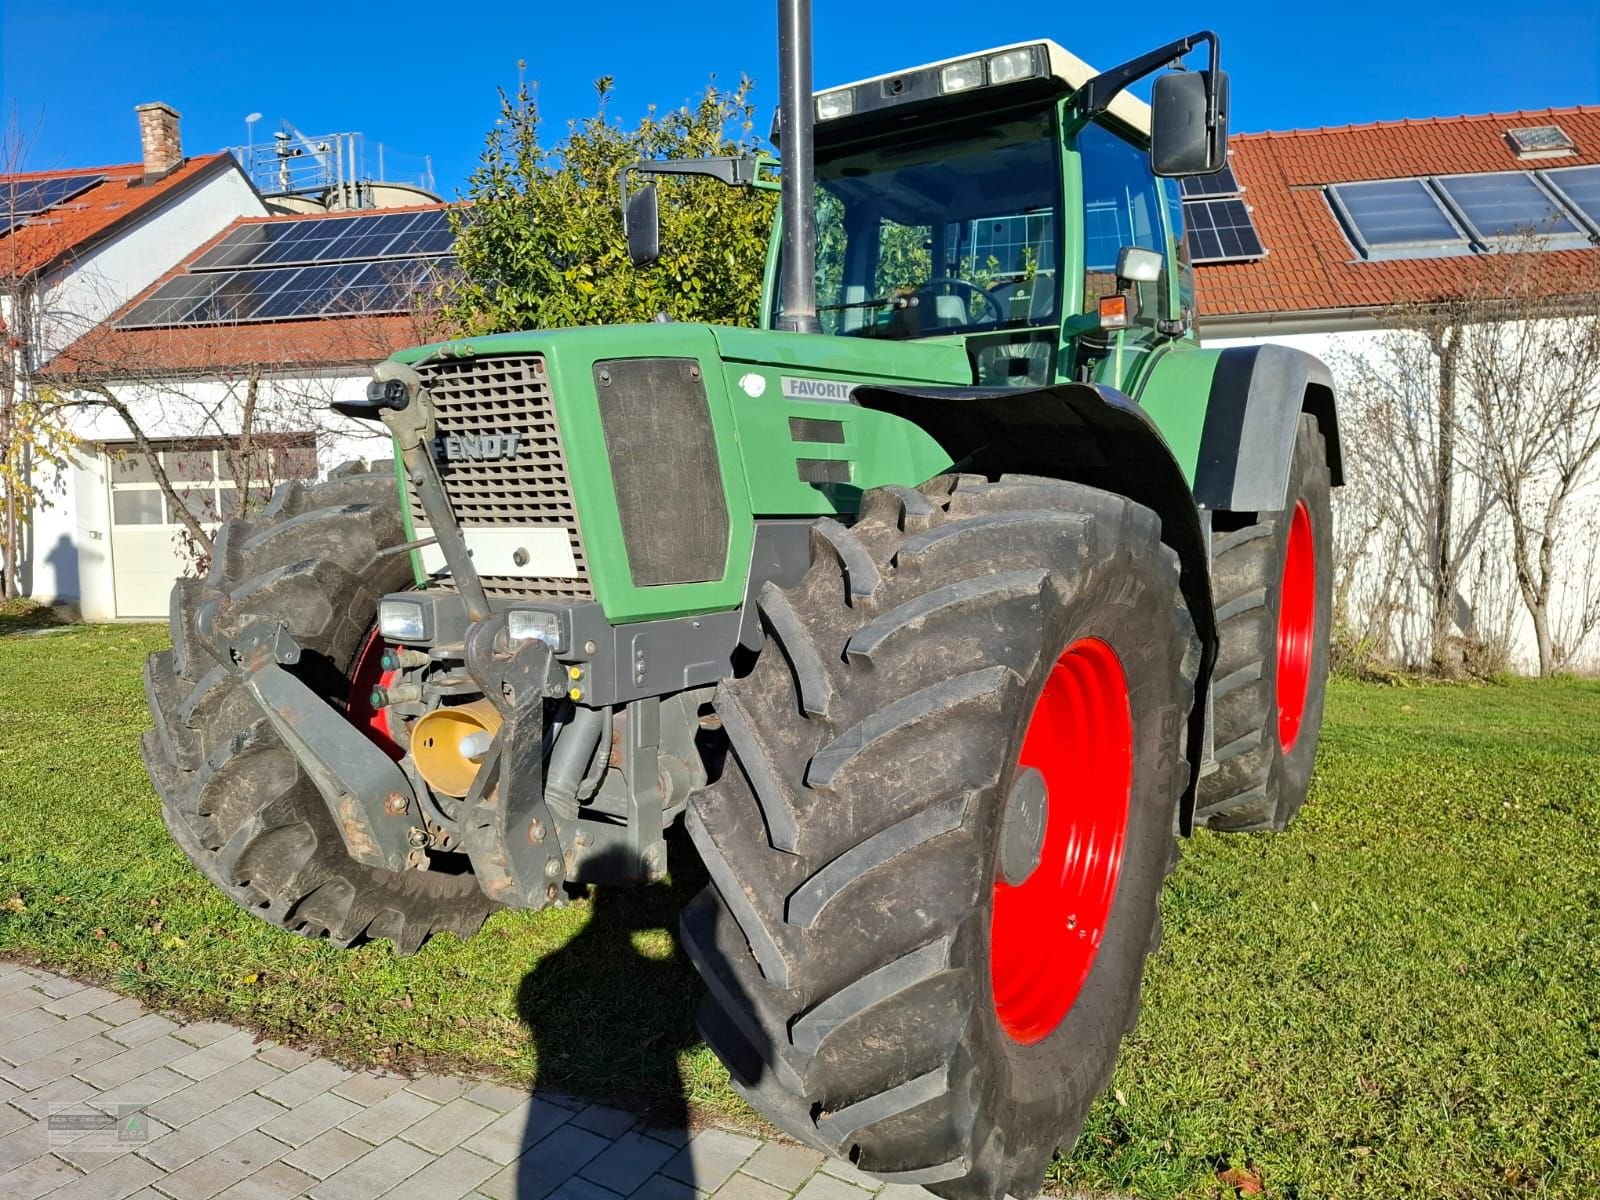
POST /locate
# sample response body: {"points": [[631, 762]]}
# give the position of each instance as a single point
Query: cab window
{"points": [[1122, 204], [940, 232]]}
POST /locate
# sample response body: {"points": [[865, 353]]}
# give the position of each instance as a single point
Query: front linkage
{"points": [[540, 771]]}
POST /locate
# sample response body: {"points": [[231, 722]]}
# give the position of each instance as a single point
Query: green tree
{"points": [[541, 245]]}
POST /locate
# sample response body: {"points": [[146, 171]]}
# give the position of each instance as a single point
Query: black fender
{"points": [[1089, 434], [1252, 412]]}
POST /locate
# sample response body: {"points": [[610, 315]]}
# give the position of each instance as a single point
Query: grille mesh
{"points": [[506, 395]]}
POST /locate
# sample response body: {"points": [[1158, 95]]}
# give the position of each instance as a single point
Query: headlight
{"points": [[525, 624], [403, 620], [961, 76]]}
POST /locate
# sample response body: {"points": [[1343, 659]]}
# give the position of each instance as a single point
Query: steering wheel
{"points": [[973, 292]]}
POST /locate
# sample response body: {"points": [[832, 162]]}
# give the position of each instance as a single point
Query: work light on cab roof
{"points": [[1043, 66]]}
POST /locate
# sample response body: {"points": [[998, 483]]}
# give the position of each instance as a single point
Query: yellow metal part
{"points": [[436, 744]]}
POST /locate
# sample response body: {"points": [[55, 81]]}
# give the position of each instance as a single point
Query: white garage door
{"points": [[149, 544]]}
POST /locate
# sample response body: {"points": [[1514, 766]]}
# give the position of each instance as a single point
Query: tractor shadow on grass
{"points": [[610, 1014]]}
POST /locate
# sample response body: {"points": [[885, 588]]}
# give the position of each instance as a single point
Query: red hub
{"points": [[1297, 623], [1047, 927], [367, 673]]}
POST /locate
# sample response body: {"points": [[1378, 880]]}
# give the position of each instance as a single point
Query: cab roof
{"points": [[1066, 68]]}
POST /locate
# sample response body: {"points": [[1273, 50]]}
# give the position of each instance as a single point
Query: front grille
{"points": [[503, 396]]}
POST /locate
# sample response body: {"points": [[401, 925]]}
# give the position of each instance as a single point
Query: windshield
{"points": [[940, 234]]}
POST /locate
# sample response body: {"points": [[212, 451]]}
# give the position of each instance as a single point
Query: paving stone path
{"points": [[211, 1111]]}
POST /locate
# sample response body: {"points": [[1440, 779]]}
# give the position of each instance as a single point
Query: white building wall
{"points": [[85, 293], [62, 553], [71, 563], [1497, 606]]}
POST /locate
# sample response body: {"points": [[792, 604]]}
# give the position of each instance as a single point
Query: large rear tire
{"points": [[232, 794], [937, 847], [1273, 583]]}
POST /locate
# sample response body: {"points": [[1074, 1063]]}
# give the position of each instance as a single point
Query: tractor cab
{"points": [[976, 199], [1014, 200]]}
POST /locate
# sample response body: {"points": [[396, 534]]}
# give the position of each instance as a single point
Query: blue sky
{"points": [[400, 73]]}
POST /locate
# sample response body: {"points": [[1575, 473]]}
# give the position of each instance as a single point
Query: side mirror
{"points": [[641, 224], [1182, 141], [1136, 264]]}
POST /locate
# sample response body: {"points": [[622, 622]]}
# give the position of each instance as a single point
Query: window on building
{"points": [[1396, 214], [1541, 141], [1467, 214], [1509, 206], [1579, 190]]}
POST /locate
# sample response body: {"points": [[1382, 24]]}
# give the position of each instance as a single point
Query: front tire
{"points": [[880, 983], [233, 796]]}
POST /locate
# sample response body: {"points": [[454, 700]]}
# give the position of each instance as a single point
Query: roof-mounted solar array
{"points": [[370, 264], [1465, 214], [1217, 221], [335, 239], [1221, 231], [1222, 183], [21, 199]]}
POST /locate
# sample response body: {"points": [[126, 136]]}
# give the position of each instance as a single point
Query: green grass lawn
{"points": [[1400, 997]]}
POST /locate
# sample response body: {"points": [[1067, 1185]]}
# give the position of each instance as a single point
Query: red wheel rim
{"points": [[1046, 930], [365, 675], [1297, 622]]}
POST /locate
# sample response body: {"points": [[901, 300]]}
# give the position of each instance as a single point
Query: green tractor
{"points": [[936, 609]]}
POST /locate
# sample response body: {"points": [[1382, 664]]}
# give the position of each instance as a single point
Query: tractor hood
{"points": [[646, 455], [930, 361], [934, 360]]}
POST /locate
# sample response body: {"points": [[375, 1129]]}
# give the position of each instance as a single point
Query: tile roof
{"points": [[1310, 265], [71, 228], [108, 352]]}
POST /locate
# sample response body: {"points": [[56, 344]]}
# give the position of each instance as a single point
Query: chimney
{"points": [[158, 135]]}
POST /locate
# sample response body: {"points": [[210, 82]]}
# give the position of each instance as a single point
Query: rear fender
{"points": [[1089, 434]]}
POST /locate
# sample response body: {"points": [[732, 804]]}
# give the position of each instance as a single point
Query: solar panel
{"points": [[172, 301], [1506, 204], [371, 263], [1221, 230], [331, 239], [1579, 187], [281, 293], [24, 198], [1223, 183], [1395, 212]]}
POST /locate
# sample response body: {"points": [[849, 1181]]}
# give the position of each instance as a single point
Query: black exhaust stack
{"points": [[795, 116]]}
